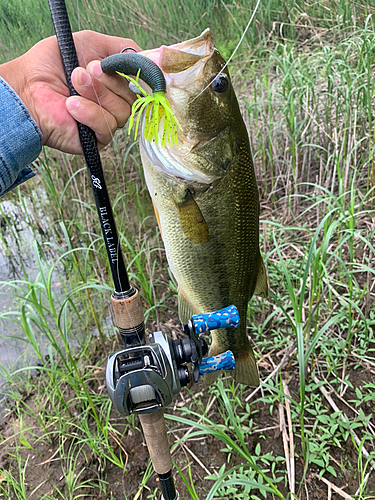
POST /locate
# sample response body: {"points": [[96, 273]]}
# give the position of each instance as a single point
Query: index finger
{"points": [[115, 83], [91, 45]]}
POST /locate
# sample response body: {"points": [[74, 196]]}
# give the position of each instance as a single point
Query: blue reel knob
{"points": [[225, 318], [224, 361]]}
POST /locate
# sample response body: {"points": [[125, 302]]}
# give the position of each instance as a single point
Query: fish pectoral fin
{"points": [[157, 217], [185, 308], [261, 286], [192, 221]]}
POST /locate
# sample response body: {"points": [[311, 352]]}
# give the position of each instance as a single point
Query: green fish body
{"points": [[205, 196]]}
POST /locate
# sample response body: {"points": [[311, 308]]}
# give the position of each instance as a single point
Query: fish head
{"points": [[202, 98]]}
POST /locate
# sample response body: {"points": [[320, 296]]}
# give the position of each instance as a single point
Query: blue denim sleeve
{"points": [[20, 140]]}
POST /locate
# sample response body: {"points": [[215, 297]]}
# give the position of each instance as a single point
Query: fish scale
{"points": [[205, 196]]}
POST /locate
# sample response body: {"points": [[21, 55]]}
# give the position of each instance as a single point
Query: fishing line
{"points": [[123, 291], [109, 128], [234, 51], [132, 322]]}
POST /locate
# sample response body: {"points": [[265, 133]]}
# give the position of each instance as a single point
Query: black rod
{"points": [[167, 486], [91, 153]]}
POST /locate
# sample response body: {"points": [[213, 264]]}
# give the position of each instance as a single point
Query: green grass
{"points": [[167, 21], [305, 80]]}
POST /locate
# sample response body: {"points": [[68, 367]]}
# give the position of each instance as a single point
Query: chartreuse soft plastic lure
{"points": [[157, 108]]}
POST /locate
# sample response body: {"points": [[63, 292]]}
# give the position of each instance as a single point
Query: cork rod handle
{"points": [[155, 433], [127, 311]]}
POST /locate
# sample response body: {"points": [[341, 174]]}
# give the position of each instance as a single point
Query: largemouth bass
{"points": [[205, 195]]}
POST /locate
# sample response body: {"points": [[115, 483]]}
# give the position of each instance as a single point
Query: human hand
{"points": [[104, 103]]}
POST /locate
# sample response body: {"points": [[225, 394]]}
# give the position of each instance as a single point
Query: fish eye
{"points": [[219, 83]]}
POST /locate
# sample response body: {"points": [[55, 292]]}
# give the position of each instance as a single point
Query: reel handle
{"points": [[224, 318], [224, 361]]}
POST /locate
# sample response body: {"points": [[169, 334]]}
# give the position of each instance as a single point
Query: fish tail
{"points": [[246, 371]]}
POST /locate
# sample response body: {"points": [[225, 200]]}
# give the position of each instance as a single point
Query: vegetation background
{"points": [[304, 77]]}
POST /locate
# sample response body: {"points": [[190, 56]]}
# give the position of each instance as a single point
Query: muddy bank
{"points": [[66, 456]]}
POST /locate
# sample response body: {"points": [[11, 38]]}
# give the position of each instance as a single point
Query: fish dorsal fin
{"points": [[192, 221], [261, 286], [185, 308]]}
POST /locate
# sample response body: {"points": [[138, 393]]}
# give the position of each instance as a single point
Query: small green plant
{"points": [[303, 75]]}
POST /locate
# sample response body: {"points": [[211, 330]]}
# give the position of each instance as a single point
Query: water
{"points": [[22, 223], [25, 225]]}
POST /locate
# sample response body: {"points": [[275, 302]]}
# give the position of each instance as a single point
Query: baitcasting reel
{"points": [[146, 377]]}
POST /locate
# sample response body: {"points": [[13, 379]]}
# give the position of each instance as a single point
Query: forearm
{"points": [[13, 74], [20, 137], [19, 74], [36, 109]]}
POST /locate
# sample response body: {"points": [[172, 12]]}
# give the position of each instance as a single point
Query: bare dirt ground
{"points": [[44, 469]]}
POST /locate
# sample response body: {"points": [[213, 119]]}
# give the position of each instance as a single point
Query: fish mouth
{"points": [[182, 56], [182, 65]]}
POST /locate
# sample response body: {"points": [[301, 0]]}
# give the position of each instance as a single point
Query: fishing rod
{"points": [[143, 377]]}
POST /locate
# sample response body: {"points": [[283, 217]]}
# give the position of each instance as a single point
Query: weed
{"points": [[304, 77]]}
